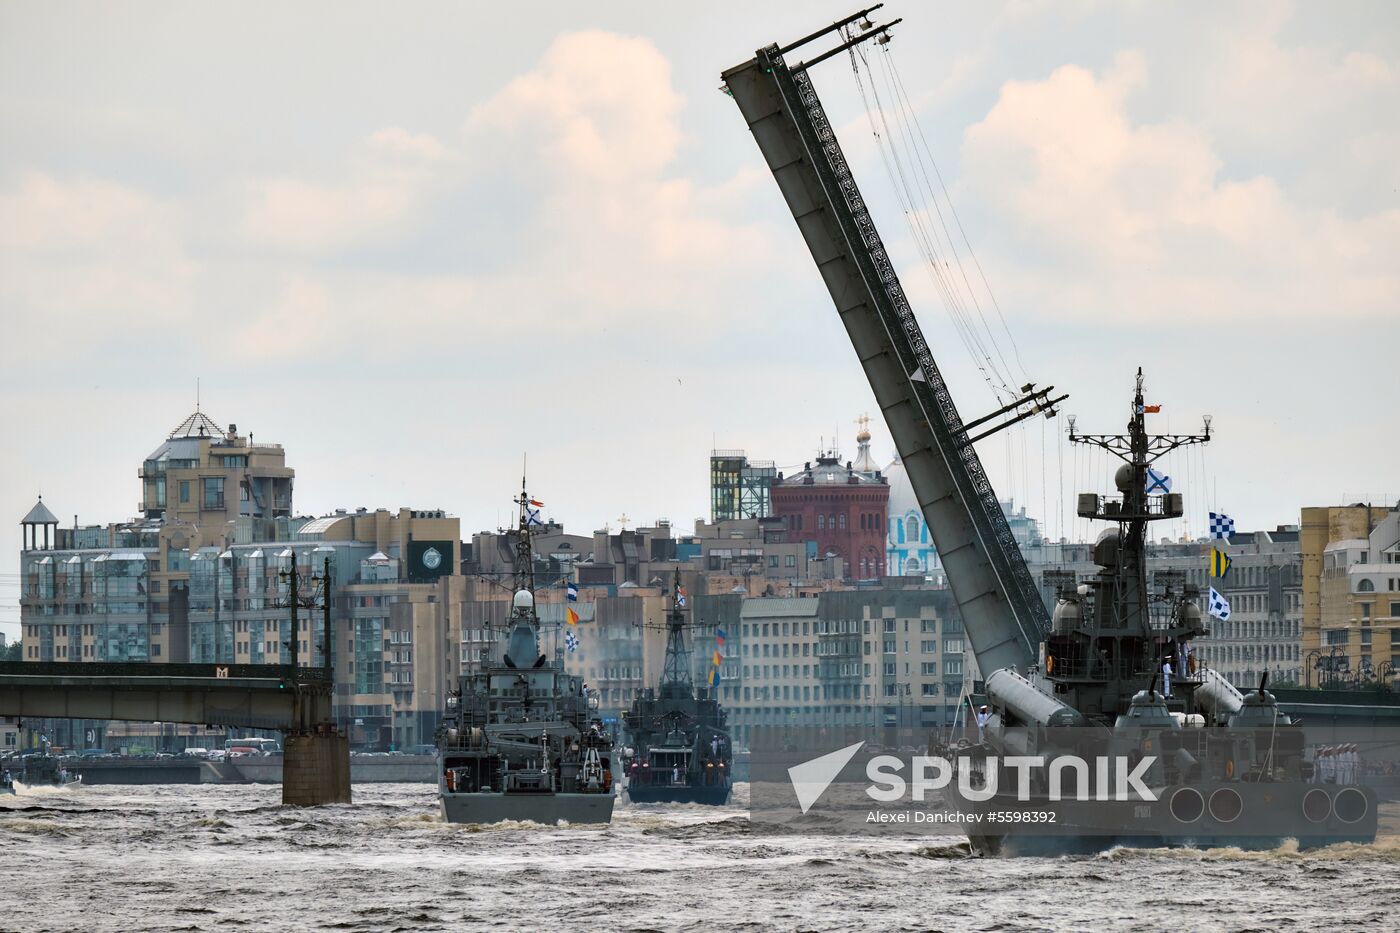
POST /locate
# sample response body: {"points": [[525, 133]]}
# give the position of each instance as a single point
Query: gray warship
{"points": [[521, 739], [678, 747], [1116, 679], [45, 771], [1223, 768]]}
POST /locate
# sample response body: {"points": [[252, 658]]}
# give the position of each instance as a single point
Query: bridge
{"points": [[295, 700]]}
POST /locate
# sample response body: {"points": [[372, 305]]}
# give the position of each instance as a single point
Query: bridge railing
{"points": [[309, 676]]}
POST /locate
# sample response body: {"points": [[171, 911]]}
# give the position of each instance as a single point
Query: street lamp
{"points": [[1312, 662], [1337, 652]]}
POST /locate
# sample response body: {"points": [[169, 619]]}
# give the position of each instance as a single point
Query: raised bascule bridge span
{"points": [[294, 700]]}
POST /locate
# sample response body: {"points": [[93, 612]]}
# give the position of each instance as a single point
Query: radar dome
{"points": [[1123, 478], [524, 599], [1106, 548]]}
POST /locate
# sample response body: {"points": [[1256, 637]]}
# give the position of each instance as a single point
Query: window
{"points": [[184, 490], [773, 560], [911, 529], [821, 522], [928, 646], [952, 666], [231, 462], [1365, 586], [213, 492], [889, 625], [1394, 639], [1394, 610], [843, 521], [889, 646], [790, 560], [1365, 610]]}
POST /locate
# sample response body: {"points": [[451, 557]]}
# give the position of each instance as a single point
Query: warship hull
{"points": [[547, 809], [1248, 816], [710, 795]]}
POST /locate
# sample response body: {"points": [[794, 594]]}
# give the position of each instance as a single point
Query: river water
{"points": [[220, 858]]}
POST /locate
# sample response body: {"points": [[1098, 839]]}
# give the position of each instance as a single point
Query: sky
{"points": [[418, 243]]}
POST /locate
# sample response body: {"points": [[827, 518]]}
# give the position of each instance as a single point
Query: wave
{"points": [[32, 827], [1385, 849]]}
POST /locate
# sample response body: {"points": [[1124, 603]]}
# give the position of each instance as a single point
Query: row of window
{"points": [[1227, 654], [1342, 637], [952, 667], [846, 627], [68, 652]]}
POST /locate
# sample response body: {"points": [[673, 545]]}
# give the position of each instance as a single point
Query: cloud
{"points": [[382, 185], [85, 256], [1145, 217], [572, 161], [597, 107]]}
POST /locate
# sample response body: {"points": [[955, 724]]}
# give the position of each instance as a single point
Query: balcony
{"points": [[1112, 508]]}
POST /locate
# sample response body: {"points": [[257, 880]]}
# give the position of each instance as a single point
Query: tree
{"points": [[11, 653]]}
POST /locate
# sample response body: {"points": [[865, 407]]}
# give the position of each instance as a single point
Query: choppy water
{"points": [[231, 858]]}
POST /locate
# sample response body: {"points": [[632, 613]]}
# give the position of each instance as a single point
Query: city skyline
{"points": [[414, 272]]}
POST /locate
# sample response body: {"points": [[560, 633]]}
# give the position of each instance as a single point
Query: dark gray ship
{"points": [[42, 771], [678, 745], [1116, 680], [521, 739]]}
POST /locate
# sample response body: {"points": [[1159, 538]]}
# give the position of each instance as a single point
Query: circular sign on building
{"points": [[432, 558]]}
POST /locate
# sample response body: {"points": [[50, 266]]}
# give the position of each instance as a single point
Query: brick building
{"points": [[841, 508]]}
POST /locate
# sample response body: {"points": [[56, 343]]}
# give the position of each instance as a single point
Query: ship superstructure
{"points": [[521, 739], [678, 746], [1117, 676]]}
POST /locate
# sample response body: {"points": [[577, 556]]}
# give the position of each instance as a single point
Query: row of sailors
{"points": [[1336, 764]]}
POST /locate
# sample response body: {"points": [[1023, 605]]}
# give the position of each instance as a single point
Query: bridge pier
{"points": [[315, 769]]}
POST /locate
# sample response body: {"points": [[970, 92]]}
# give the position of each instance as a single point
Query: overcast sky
{"points": [[414, 242]]}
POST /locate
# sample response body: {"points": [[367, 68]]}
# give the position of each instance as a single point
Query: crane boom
{"points": [[1001, 608]]}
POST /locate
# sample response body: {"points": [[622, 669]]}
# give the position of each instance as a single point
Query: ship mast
{"points": [[1142, 502], [524, 548], [523, 644], [677, 668]]}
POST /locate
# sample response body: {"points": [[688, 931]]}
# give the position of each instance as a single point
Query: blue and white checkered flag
{"points": [[1221, 526], [1219, 605], [571, 642]]}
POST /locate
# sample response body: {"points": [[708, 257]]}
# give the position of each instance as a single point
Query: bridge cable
{"points": [[924, 239], [911, 138]]}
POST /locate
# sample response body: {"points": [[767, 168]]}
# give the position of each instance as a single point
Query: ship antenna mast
{"points": [[677, 668], [524, 549]]}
